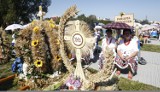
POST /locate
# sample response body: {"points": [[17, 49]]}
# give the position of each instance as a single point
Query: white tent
{"points": [[137, 25], [98, 27], [13, 27], [148, 27]]}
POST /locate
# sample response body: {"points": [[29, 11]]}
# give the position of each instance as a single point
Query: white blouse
{"points": [[127, 50], [110, 42]]}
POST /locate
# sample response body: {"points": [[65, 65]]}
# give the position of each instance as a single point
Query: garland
{"points": [[106, 71], [53, 41], [67, 15], [38, 48]]}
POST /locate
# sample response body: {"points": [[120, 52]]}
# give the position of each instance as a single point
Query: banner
{"points": [[126, 18]]}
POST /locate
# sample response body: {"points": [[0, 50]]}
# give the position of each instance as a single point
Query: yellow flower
{"points": [[51, 21], [34, 43], [38, 63], [36, 29], [57, 42], [58, 58], [69, 55], [52, 25]]}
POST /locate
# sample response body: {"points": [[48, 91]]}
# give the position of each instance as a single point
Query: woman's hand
{"points": [[123, 58], [127, 58]]}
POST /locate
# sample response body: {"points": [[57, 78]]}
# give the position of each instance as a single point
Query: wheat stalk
{"points": [[68, 14]]}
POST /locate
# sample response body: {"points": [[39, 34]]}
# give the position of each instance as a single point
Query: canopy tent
{"points": [[98, 27], [148, 27], [137, 25], [13, 27]]}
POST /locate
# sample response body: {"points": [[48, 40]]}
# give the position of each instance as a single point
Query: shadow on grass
{"points": [[8, 85]]}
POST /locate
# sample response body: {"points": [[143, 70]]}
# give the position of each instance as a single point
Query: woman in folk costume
{"points": [[127, 51], [109, 41]]}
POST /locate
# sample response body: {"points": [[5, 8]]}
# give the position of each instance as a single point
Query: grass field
{"points": [[5, 69], [151, 48], [129, 85]]}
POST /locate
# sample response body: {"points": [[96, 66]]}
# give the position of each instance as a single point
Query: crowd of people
{"points": [[126, 48], [145, 35]]}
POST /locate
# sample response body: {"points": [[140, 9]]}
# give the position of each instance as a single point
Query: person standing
{"points": [[110, 42], [159, 34], [97, 39]]}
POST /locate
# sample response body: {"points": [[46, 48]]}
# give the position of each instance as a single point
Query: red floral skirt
{"points": [[126, 64]]}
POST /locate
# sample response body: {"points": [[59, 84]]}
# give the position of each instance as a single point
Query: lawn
{"points": [[129, 85], [5, 69], [151, 48], [125, 84]]}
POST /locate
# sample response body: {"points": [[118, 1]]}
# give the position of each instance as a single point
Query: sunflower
{"points": [[57, 42], [52, 25], [58, 58], [69, 55], [51, 21], [36, 29], [34, 43], [38, 63]]}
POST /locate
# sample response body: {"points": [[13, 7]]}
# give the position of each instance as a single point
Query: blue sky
{"points": [[109, 8]]}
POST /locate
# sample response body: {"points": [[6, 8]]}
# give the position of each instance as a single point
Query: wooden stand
{"points": [[7, 78]]}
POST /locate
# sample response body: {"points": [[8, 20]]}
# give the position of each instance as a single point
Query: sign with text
{"points": [[126, 18]]}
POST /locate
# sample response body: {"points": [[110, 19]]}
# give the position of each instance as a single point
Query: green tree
{"points": [[82, 17], [145, 22], [90, 20], [16, 11], [105, 21]]}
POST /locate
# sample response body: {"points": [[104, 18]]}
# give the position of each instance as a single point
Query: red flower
{"points": [[71, 88]]}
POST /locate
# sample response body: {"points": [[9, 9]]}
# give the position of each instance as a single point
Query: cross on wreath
{"points": [[41, 13]]}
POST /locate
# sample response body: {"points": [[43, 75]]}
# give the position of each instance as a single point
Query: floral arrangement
{"points": [[73, 83], [38, 45], [43, 49]]}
